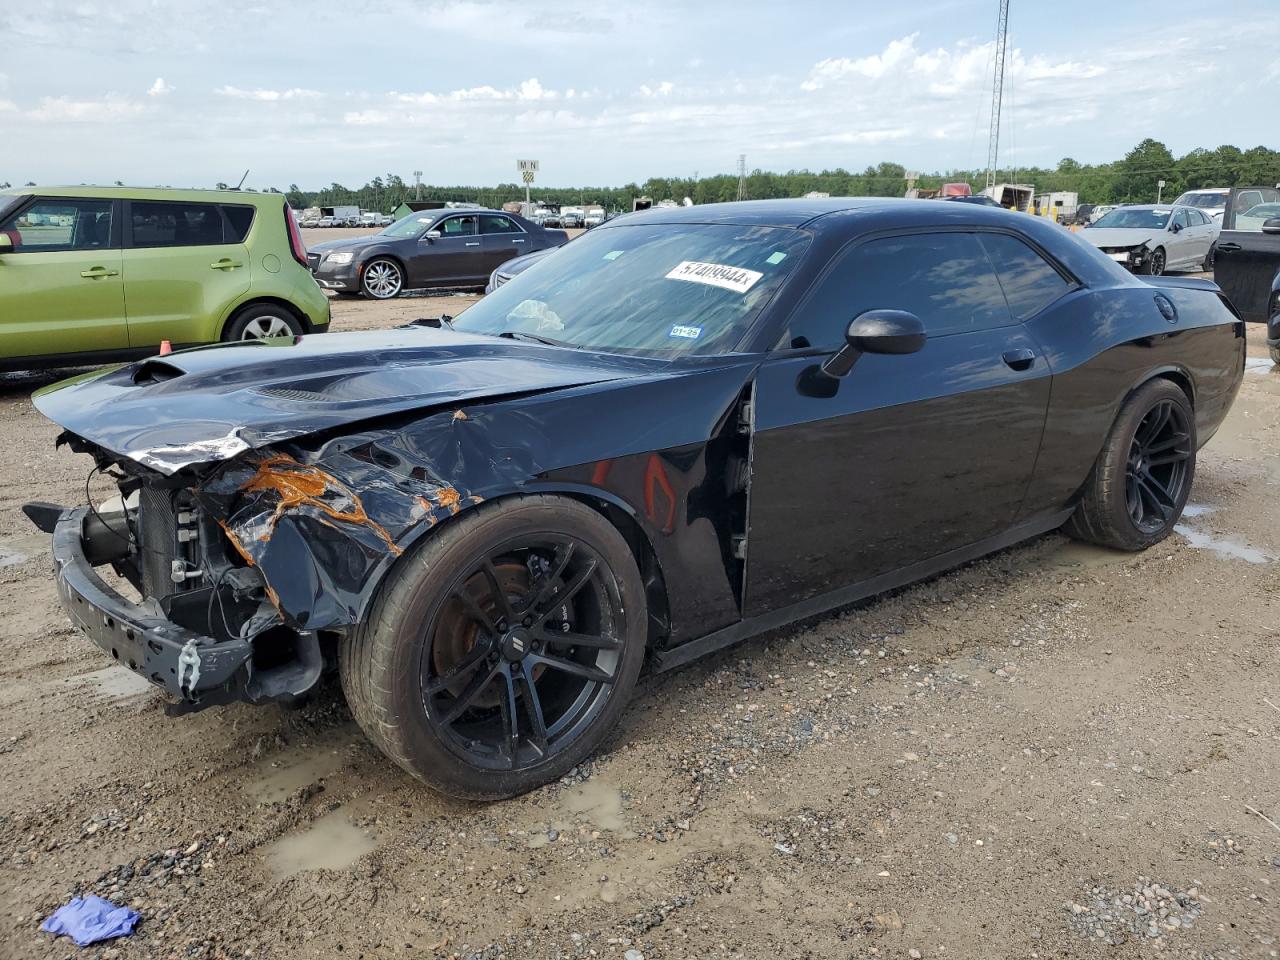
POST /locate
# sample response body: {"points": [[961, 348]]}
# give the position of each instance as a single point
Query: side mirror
{"points": [[877, 331], [431, 235], [6, 243], [1270, 225], [1175, 228]]}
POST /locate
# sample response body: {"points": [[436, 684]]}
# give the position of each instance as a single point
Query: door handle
{"points": [[472, 243], [517, 241], [225, 264], [93, 273], [1021, 359], [1229, 247]]}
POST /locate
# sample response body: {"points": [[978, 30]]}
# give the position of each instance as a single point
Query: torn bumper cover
{"points": [[188, 666]]}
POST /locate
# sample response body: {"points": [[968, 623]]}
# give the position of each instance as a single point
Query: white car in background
{"points": [[1100, 211], [1153, 238], [1212, 202]]}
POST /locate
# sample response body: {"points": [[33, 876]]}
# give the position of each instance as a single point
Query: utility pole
{"points": [[417, 180], [742, 176], [997, 91]]}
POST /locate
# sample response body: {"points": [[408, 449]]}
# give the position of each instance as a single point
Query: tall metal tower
{"points": [[997, 91], [742, 176]]}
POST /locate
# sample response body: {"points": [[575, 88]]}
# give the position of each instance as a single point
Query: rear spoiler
{"points": [[1186, 283]]}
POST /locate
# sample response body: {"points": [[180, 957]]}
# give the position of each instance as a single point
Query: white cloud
{"points": [[159, 88], [663, 89], [109, 107], [267, 96]]}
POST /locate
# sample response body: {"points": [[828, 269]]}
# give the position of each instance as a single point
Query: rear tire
{"points": [[502, 650], [1142, 478], [262, 321]]}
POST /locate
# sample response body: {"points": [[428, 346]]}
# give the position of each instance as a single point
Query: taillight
{"points": [[296, 245]]}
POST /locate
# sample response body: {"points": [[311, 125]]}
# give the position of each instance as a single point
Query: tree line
{"points": [[1132, 179]]}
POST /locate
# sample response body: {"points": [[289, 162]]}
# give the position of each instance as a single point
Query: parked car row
{"points": [[366, 219]]}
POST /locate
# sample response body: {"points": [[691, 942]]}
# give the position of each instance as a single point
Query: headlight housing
{"points": [[340, 257]]}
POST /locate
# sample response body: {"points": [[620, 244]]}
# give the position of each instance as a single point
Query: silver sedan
{"points": [[1153, 238]]}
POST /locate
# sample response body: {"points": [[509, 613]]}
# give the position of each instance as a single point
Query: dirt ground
{"points": [[1057, 751]]}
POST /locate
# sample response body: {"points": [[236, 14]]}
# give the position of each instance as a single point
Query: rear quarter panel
{"points": [[1102, 345]]}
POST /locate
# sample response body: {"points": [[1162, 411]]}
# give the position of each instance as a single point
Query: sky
{"points": [[188, 94]]}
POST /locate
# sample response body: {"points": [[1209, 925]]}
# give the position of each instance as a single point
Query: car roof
{"points": [[819, 214], [1208, 190], [146, 193]]}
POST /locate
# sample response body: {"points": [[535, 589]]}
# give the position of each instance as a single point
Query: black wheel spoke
{"points": [[533, 707], [510, 719], [1176, 456], [463, 596], [560, 596], [587, 671], [569, 638], [1169, 443], [1157, 496], [473, 658], [548, 580], [499, 592], [467, 697]]}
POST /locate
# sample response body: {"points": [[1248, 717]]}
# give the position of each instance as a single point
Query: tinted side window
{"points": [[162, 224], [492, 224], [457, 227], [52, 225], [945, 279], [1180, 218], [239, 220], [1030, 283]]}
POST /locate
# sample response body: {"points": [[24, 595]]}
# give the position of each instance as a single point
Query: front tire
{"points": [[381, 279], [1154, 267], [1142, 478], [263, 321], [502, 650]]}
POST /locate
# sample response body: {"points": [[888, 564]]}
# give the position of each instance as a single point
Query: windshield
{"points": [[664, 290], [1135, 218], [1205, 201], [414, 225]]}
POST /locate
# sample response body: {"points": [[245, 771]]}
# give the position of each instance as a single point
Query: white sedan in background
{"points": [[1153, 238]]}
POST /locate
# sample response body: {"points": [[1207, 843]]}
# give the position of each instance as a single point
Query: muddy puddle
{"points": [[16, 550], [594, 805], [283, 774], [1230, 548], [333, 842], [112, 683], [1078, 555]]}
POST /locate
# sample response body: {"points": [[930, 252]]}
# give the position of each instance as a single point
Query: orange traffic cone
{"points": [[166, 348]]}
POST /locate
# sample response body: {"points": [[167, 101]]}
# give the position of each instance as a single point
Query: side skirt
{"points": [[686, 652]]}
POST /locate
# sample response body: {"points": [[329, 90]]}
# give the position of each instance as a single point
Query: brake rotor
{"points": [[457, 632]]}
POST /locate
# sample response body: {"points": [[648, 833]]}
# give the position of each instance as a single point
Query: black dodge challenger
{"points": [[687, 427]]}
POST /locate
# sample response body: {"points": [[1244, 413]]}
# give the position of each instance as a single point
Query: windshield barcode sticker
{"points": [[715, 275]]}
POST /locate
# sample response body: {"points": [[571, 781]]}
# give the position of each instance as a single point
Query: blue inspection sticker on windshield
{"points": [[776, 257], [614, 254], [688, 333]]}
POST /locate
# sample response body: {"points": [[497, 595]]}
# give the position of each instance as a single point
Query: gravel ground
{"points": [[1057, 751]]}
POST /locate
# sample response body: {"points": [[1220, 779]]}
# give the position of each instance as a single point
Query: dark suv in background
{"points": [[1247, 262], [431, 248]]}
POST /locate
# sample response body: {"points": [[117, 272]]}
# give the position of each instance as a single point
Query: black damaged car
{"points": [[430, 249], [688, 427]]}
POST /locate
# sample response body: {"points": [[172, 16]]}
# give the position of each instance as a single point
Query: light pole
{"points": [[417, 179]]}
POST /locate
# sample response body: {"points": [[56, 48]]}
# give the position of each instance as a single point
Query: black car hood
{"points": [[213, 403]]}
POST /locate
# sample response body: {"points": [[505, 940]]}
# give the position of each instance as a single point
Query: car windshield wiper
{"points": [[536, 338]]}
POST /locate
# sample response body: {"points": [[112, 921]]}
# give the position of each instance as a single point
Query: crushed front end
{"points": [[246, 572]]}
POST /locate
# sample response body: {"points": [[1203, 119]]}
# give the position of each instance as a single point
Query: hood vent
{"points": [[156, 371]]}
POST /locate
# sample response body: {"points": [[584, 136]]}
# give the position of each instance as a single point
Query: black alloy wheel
{"points": [[1154, 266], [521, 655], [503, 648], [1157, 472]]}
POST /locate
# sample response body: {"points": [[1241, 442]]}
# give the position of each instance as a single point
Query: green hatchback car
{"points": [[94, 274]]}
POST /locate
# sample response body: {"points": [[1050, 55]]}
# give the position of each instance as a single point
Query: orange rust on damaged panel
{"points": [[298, 484], [244, 555], [459, 415]]}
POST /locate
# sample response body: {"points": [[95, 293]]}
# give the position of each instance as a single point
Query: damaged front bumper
{"points": [[187, 666], [195, 670]]}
